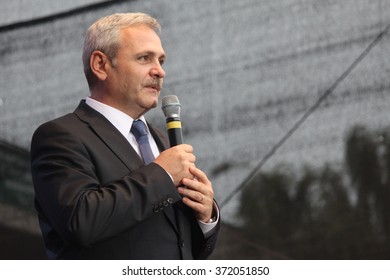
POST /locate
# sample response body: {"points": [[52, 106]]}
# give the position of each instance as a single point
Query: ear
{"points": [[99, 63]]}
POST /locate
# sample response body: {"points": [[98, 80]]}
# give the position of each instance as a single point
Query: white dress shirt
{"points": [[123, 123]]}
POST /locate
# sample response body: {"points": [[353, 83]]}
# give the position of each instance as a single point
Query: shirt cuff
{"points": [[209, 228]]}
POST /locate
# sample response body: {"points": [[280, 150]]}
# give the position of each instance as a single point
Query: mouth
{"points": [[157, 88], [155, 85]]}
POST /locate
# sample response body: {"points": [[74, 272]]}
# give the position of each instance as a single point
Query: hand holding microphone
{"points": [[179, 158], [179, 161]]}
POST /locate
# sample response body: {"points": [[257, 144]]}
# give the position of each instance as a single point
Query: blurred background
{"points": [[286, 103]]}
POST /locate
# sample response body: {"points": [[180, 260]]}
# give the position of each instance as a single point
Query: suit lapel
{"points": [[119, 145], [109, 135]]}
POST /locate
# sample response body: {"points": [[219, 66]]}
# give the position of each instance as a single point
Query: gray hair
{"points": [[104, 36]]}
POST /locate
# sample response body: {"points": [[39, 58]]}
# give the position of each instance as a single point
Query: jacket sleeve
{"points": [[72, 199], [206, 246]]}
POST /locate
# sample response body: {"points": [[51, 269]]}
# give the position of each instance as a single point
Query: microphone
{"points": [[171, 108]]}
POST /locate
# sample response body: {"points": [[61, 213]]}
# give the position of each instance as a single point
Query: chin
{"points": [[154, 104], [151, 104], [150, 98], [155, 100]]}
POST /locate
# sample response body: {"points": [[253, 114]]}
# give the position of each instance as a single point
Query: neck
{"points": [[135, 114]]}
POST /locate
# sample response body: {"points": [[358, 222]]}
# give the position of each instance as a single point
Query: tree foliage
{"points": [[325, 213]]}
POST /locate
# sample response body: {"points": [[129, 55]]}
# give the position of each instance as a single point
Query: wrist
{"points": [[211, 220]]}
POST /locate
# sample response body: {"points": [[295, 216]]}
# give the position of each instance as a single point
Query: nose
{"points": [[157, 71]]}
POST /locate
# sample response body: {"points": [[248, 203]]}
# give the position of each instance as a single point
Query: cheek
{"points": [[129, 83]]}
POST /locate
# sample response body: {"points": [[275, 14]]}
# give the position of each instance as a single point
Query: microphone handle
{"points": [[174, 131]]}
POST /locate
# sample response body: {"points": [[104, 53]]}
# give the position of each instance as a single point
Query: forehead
{"points": [[141, 38]]}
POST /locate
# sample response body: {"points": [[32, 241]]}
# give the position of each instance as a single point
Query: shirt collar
{"points": [[120, 120]]}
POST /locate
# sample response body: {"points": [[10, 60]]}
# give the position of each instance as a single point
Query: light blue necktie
{"points": [[141, 135]]}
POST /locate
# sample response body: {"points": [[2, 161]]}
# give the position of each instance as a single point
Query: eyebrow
{"points": [[152, 53]]}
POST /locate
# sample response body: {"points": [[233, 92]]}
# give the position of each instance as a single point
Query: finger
{"points": [[194, 195], [186, 152], [198, 185], [192, 184], [192, 158], [203, 212], [199, 174], [186, 147], [194, 205]]}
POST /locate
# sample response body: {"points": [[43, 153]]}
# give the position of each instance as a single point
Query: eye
{"points": [[143, 58], [161, 60]]}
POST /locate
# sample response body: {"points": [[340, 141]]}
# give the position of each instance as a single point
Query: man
{"points": [[97, 195]]}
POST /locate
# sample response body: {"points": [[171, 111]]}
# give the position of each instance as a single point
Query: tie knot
{"points": [[139, 129]]}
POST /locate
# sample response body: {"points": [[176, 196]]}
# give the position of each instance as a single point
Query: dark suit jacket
{"points": [[96, 199]]}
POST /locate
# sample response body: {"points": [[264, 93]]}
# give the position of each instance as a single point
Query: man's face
{"points": [[137, 76]]}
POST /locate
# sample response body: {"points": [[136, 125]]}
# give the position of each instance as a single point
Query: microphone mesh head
{"points": [[170, 106]]}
